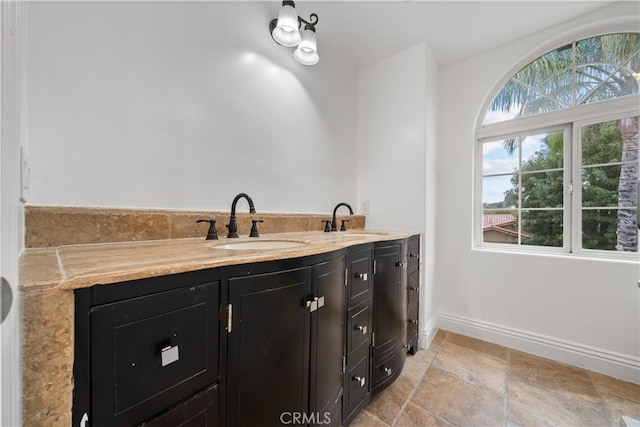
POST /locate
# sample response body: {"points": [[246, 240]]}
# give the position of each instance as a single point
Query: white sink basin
{"points": [[261, 244]]}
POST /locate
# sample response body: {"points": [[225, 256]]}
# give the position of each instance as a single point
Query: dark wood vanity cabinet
{"points": [[296, 341], [286, 346]]}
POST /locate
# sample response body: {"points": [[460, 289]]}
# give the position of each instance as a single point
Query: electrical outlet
{"points": [[364, 207]]}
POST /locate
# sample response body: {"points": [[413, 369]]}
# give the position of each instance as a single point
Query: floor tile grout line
{"points": [[575, 396], [407, 401], [374, 416], [412, 392], [436, 352], [565, 397], [602, 398], [505, 419]]}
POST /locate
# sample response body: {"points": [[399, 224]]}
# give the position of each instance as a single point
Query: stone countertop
{"points": [[79, 266]]}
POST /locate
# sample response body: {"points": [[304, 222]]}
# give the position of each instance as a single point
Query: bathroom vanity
{"points": [[250, 334]]}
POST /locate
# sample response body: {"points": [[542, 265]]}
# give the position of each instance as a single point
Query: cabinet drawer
{"points": [[200, 410], [413, 287], [412, 314], [414, 253], [359, 326], [387, 369], [360, 280], [358, 383], [150, 352]]}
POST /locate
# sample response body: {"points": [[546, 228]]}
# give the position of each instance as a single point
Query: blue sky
{"points": [[496, 160]]}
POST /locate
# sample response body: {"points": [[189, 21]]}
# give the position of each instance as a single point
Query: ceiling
{"points": [[368, 31]]}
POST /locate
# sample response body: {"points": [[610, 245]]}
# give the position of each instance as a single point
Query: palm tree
{"points": [[583, 72]]}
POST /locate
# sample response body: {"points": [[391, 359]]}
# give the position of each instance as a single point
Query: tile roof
{"points": [[489, 220]]}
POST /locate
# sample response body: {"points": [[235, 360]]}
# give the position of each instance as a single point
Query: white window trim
{"points": [[577, 196], [566, 198], [571, 120]]}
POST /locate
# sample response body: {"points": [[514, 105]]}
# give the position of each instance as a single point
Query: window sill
{"points": [[632, 258]]}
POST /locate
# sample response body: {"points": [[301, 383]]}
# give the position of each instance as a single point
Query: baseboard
{"points": [[606, 362], [428, 332]]}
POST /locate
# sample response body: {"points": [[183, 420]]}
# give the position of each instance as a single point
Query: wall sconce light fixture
{"points": [[285, 30]]}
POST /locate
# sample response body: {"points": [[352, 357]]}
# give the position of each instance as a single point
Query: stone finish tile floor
{"points": [[462, 381]]}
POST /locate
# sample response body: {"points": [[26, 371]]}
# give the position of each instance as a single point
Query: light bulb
{"points": [[286, 31], [307, 51]]}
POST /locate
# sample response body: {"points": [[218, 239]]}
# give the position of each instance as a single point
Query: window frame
{"points": [[577, 193], [571, 119], [566, 199]]}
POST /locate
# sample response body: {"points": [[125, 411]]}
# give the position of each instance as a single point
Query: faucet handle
{"points": [[254, 228], [212, 234], [327, 225], [343, 226]]}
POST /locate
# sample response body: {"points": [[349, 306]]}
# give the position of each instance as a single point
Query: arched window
{"points": [[557, 155]]}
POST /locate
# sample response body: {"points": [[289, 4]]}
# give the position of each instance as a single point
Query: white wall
{"points": [[581, 311], [428, 303], [11, 211], [391, 140], [397, 123], [183, 105]]}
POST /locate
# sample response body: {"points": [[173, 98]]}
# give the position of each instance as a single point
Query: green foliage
{"points": [[589, 70], [554, 81], [602, 143], [542, 190]]}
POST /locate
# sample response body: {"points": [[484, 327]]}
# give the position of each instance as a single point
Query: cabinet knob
{"points": [[387, 371], [362, 329], [401, 264], [360, 380], [414, 255], [361, 276], [415, 322], [411, 288]]}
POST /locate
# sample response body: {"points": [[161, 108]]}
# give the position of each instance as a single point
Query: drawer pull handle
{"points": [[360, 380], [362, 276], [415, 322], [414, 255], [411, 288], [362, 329], [387, 371], [169, 355]]}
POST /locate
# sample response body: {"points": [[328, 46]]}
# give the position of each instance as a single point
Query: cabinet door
{"points": [[268, 347], [327, 338], [388, 298]]}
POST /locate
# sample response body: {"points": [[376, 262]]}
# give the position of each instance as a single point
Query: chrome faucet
{"points": [[334, 225], [233, 224]]}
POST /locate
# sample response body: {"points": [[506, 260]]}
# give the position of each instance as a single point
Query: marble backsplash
{"points": [[50, 226]]}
